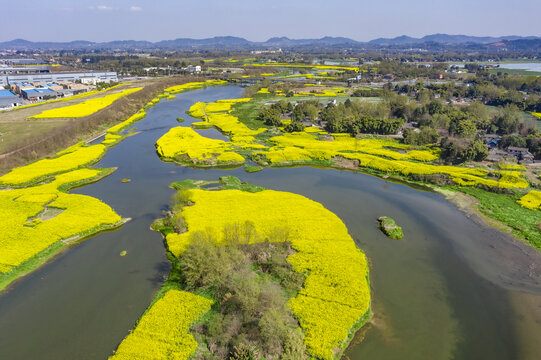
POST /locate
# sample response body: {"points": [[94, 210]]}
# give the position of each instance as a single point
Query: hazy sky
{"points": [[256, 20]]}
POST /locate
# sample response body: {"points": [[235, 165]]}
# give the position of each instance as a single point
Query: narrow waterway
{"points": [[451, 289]]}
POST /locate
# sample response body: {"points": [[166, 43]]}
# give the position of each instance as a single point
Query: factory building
{"points": [[109, 76]]}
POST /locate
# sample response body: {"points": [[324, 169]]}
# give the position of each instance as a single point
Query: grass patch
{"points": [[389, 228], [247, 114], [252, 169], [504, 208]]}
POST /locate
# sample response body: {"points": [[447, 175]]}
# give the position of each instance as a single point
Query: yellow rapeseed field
{"points": [[177, 89], [531, 200], [85, 108], [132, 119], [336, 293], [21, 237], [384, 155], [163, 331], [72, 158], [199, 149]]}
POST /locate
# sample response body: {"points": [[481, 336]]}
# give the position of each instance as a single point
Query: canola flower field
{"points": [[72, 158], [163, 331], [307, 147], [336, 293], [85, 108], [195, 148], [37, 217], [177, 89], [37, 212], [531, 200]]}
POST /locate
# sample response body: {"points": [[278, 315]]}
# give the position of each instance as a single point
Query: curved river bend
{"points": [[451, 289]]}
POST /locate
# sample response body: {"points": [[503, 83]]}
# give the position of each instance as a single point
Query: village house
{"points": [[521, 153]]}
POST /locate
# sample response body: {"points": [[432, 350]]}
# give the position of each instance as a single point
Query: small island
{"points": [[389, 228]]}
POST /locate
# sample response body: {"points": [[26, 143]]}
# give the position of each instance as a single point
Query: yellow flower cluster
{"points": [[318, 67], [512, 167], [85, 108], [132, 119], [177, 89], [287, 155], [199, 149], [347, 144], [536, 114], [218, 114], [75, 157], [531, 200], [336, 292], [61, 216], [111, 139], [163, 331]]}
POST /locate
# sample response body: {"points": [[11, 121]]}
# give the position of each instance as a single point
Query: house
{"points": [[75, 86], [89, 80], [496, 155], [491, 140], [520, 153], [192, 68], [8, 100], [38, 94], [54, 87], [19, 87]]}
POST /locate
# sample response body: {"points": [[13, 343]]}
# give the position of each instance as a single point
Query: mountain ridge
{"points": [[238, 43]]}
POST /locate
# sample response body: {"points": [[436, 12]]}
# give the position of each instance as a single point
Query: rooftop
{"points": [[6, 93], [40, 90]]}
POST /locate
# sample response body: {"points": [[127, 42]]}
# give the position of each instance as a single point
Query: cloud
{"points": [[104, 8], [135, 8]]}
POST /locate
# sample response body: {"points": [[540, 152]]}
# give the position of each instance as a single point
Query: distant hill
{"points": [[447, 39], [236, 43]]}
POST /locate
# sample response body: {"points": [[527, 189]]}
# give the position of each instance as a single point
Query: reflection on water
{"points": [[440, 293]]}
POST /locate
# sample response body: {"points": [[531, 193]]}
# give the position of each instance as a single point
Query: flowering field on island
{"points": [[28, 227], [72, 158], [199, 149], [336, 293], [85, 108], [163, 331], [177, 89], [385, 155], [218, 114]]}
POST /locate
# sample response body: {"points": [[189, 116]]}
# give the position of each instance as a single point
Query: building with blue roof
{"points": [[6, 93], [9, 100], [38, 94]]}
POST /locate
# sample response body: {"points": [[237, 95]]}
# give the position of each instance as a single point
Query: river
{"points": [[451, 289]]}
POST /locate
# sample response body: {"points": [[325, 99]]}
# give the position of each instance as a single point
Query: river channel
{"points": [[451, 289]]}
